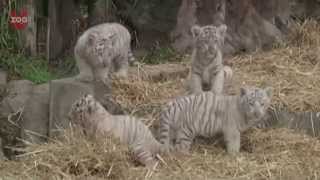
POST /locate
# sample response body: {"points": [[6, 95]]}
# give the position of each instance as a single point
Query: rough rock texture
{"points": [[305, 8], [36, 115], [11, 109], [19, 92], [3, 77], [3, 82], [63, 93], [251, 24], [2, 156]]}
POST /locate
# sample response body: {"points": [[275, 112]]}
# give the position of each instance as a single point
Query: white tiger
{"points": [[207, 71], [90, 115], [207, 114], [103, 49]]}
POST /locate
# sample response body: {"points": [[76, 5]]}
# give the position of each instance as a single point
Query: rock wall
{"points": [[154, 23], [252, 24]]}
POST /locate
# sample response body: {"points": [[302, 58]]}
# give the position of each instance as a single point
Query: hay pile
{"points": [[273, 154], [293, 71]]}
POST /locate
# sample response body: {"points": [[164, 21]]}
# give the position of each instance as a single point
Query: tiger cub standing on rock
{"points": [[207, 114], [207, 71], [103, 49], [90, 115]]}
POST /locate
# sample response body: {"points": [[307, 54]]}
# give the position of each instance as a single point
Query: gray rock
{"points": [[2, 156], [19, 92], [3, 77], [63, 93], [36, 115], [13, 106], [3, 81]]}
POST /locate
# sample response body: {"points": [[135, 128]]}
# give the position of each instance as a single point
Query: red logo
{"points": [[20, 21]]}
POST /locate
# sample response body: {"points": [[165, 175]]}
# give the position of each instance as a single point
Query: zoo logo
{"points": [[19, 21]]}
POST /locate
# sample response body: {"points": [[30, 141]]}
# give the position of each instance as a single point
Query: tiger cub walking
{"points": [[90, 115], [103, 49], [207, 71], [206, 114]]}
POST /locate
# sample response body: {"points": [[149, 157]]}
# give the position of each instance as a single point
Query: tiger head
{"points": [[209, 39], [86, 111], [100, 46], [255, 102]]}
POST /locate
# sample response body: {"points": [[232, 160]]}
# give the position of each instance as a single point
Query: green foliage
{"points": [[9, 37], [35, 69], [161, 55]]}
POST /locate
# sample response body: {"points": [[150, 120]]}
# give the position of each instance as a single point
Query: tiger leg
{"points": [[122, 66], [218, 82], [195, 84], [183, 141], [131, 59], [232, 140], [102, 74], [85, 70], [145, 157]]}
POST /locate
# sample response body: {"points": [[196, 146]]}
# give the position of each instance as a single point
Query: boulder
{"points": [[11, 109], [18, 92], [36, 115], [2, 156], [3, 77]]}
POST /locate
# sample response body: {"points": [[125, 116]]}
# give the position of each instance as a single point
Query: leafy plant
{"points": [[35, 69], [9, 38], [160, 55]]}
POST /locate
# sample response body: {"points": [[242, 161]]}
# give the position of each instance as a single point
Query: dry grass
{"points": [[293, 72], [272, 154]]}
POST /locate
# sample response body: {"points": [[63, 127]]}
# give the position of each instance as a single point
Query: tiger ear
{"points": [[243, 91], [268, 91], [195, 30]]}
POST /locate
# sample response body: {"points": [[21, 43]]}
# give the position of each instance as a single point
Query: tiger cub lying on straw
{"points": [[90, 115], [206, 114]]}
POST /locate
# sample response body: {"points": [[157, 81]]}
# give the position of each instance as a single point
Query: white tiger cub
{"points": [[103, 49], [207, 114], [207, 71], [90, 115]]}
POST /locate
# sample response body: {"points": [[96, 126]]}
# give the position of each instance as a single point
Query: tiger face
{"points": [[100, 47], [209, 39], [255, 101], [84, 110]]}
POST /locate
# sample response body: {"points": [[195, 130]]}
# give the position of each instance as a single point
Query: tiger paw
{"points": [[121, 75], [233, 150]]}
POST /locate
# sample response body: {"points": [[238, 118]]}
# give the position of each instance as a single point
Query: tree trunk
{"points": [[63, 25], [29, 34]]}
